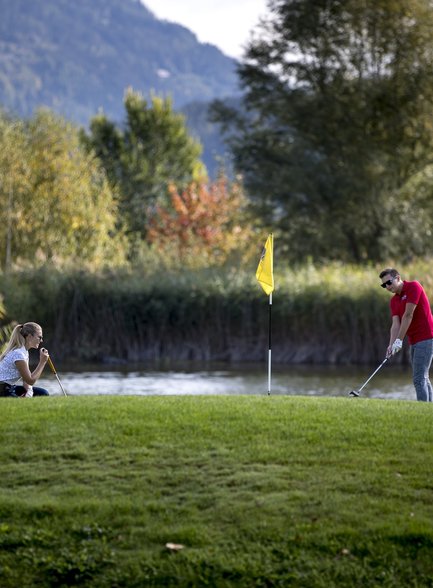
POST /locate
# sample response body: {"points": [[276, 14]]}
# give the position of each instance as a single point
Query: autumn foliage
{"points": [[204, 224]]}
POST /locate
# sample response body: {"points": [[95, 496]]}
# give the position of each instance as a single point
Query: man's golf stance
{"points": [[411, 315]]}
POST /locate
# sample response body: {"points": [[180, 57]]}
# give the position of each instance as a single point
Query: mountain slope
{"points": [[78, 56]]}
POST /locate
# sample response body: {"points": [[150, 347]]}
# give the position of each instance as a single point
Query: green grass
{"points": [[261, 491]]}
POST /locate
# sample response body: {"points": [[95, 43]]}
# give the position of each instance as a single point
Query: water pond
{"points": [[392, 382]]}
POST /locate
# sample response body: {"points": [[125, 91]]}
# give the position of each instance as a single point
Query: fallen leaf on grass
{"points": [[174, 546]]}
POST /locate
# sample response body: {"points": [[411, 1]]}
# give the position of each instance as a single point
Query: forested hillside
{"points": [[79, 57]]}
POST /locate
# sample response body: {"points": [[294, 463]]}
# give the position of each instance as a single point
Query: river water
{"points": [[391, 381]]}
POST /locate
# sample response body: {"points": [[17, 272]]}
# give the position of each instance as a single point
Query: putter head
{"points": [[354, 393]]}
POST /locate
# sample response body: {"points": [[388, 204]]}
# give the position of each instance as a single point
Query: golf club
{"points": [[53, 369], [357, 392]]}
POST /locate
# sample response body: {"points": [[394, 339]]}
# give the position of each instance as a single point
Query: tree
{"points": [[152, 150], [55, 195], [338, 100], [14, 182], [203, 225]]}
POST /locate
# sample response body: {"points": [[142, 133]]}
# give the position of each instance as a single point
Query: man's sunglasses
{"points": [[387, 283]]}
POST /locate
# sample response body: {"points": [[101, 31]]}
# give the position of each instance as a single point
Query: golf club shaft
{"points": [[53, 369], [373, 374]]}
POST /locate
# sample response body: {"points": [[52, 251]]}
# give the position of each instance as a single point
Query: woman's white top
{"points": [[8, 370]]}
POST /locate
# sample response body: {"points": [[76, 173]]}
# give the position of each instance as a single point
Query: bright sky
{"points": [[224, 23]]}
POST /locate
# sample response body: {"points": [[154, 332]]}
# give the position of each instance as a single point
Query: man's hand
{"points": [[396, 346]]}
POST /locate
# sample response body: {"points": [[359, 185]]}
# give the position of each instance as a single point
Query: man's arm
{"points": [[403, 325], [395, 328], [406, 320]]}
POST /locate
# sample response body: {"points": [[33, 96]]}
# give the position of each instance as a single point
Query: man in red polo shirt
{"points": [[411, 316]]}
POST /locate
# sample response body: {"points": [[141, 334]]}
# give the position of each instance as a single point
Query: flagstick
{"points": [[270, 344], [265, 277]]}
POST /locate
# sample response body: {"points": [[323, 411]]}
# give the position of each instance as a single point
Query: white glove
{"points": [[396, 346]]}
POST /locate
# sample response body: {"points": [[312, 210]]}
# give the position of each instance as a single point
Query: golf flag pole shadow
{"points": [[53, 369], [265, 277]]}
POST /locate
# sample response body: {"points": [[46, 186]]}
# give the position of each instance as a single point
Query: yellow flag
{"points": [[265, 270]]}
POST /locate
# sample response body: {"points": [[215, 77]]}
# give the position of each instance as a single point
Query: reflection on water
{"points": [[192, 379]]}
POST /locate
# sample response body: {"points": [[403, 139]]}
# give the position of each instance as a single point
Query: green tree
{"points": [[337, 118], [14, 183], [152, 150], [55, 195]]}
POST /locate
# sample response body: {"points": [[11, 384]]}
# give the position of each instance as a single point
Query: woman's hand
{"points": [[43, 355]]}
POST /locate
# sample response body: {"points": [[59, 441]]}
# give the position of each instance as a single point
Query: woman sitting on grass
{"points": [[14, 362]]}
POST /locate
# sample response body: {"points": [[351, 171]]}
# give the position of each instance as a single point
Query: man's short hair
{"points": [[389, 271]]}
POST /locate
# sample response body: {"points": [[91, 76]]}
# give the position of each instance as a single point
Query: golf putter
{"points": [[356, 393], [53, 369]]}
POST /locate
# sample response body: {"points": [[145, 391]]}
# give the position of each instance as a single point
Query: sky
{"points": [[224, 23]]}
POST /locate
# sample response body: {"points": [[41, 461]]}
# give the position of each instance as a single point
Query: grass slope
{"points": [[261, 491]]}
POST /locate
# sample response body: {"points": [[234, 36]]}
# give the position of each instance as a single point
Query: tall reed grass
{"points": [[320, 314]]}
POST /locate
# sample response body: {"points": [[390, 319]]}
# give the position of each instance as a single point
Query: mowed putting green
{"points": [[252, 491]]}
